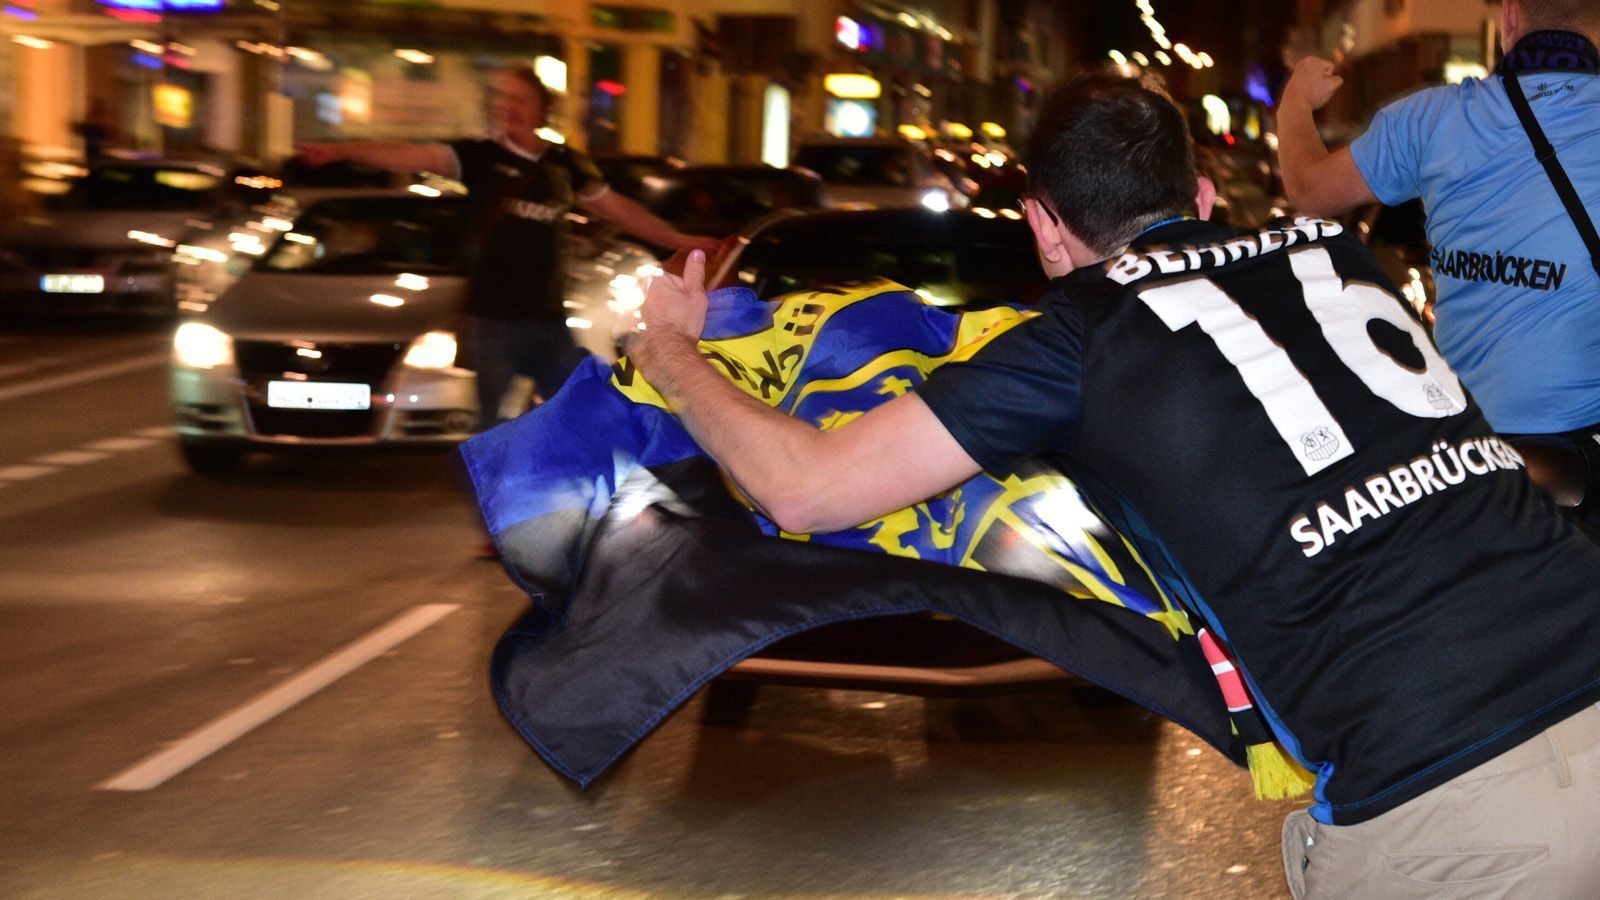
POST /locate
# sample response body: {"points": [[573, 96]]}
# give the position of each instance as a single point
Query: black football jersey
{"points": [[520, 207], [1275, 430]]}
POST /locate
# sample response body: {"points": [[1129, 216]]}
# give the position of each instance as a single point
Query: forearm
{"points": [[1316, 181], [636, 220], [1301, 151], [765, 452], [398, 156]]}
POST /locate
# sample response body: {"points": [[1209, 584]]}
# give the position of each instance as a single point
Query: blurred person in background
{"points": [[98, 130], [521, 187], [1518, 311], [15, 201]]}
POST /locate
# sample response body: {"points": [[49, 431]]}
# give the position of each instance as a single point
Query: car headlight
{"points": [[434, 350], [197, 345], [936, 200], [627, 290]]}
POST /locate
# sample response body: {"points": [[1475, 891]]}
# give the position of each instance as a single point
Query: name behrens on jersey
{"points": [[1130, 267], [1447, 466]]}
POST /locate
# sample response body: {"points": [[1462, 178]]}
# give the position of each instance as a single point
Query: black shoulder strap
{"points": [[1546, 155]]}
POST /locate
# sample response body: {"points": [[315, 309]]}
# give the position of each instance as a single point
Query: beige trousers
{"points": [[1525, 824]]}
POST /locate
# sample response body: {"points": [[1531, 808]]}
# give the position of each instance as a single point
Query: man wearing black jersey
{"points": [[521, 187], [1264, 419]]}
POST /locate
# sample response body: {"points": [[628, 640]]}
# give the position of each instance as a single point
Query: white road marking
{"points": [[118, 444], [25, 473], [71, 458], [72, 379], [207, 739]]}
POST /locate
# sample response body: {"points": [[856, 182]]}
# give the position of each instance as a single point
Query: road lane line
{"points": [[73, 379], [218, 733], [25, 473], [119, 444], [71, 458]]}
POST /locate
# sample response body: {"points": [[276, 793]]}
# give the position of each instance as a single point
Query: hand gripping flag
{"points": [[650, 575]]}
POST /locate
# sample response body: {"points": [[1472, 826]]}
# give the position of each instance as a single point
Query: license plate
{"points": [[318, 395], [72, 284]]}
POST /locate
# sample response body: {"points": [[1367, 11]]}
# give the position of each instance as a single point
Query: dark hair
{"points": [[1112, 157], [1562, 14], [526, 74]]}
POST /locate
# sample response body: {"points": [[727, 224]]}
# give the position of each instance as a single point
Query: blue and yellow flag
{"points": [[650, 574]]}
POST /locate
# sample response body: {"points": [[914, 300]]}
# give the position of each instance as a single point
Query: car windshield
{"points": [[723, 202], [143, 187], [946, 271], [864, 165], [374, 236]]}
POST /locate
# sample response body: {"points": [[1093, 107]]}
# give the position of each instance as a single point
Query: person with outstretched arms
{"points": [[521, 188]]}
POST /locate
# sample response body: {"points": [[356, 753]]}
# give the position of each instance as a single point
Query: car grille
{"points": [[339, 362], [262, 361], [314, 423]]}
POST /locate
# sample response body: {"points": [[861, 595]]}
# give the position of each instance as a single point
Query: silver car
{"points": [[343, 333]]}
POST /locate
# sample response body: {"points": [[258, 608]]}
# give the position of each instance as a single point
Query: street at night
{"points": [[799, 449], [143, 603]]}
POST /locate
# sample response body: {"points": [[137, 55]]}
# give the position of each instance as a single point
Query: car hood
{"points": [[99, 230], [288, 306], [871, 196]]}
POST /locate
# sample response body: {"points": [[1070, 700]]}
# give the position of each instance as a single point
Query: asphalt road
{"points": [[273, 685]]}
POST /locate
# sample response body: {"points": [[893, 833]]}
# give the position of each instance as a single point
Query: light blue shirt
{"points": [[1519, 301]]}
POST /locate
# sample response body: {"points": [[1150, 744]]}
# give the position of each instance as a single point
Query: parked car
{"points": [[626, 172], [1249, 193], [343, 333], [1398, 237], [118, 239], [862, 173]]}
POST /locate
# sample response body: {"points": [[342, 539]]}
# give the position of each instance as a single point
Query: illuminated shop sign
{"points": [[160, 6], [852, 86], [174, 106], [906, 41]]}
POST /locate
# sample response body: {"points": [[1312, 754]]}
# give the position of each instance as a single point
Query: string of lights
{"points": [[1158, 33]]}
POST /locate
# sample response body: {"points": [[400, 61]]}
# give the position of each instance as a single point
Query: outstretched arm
{"points": [[804, 479], [1316, 181], [396, 156], [640, 222]]}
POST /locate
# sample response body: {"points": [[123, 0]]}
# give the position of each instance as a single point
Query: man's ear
{"points": [[1048, 239], [1510, 24], [1205, 197]]}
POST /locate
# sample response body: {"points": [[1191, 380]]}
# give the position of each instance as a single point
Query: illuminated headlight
{"points": [[190, 254], [627, 291], [150, 237], [938, 201], [197, 345], [434, 350]]}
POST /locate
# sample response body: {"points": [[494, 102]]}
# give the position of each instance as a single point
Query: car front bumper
{"points": [[417, 407]]}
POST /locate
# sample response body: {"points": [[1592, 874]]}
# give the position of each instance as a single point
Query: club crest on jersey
{"points": [[1437, 398], [1319, 444]]}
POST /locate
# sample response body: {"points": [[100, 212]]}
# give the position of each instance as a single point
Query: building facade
{"points": [[703, 80]]}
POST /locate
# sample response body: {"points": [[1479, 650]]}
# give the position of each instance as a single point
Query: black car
{"points": [[956, 258], [960, 259], [115, 240]]}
